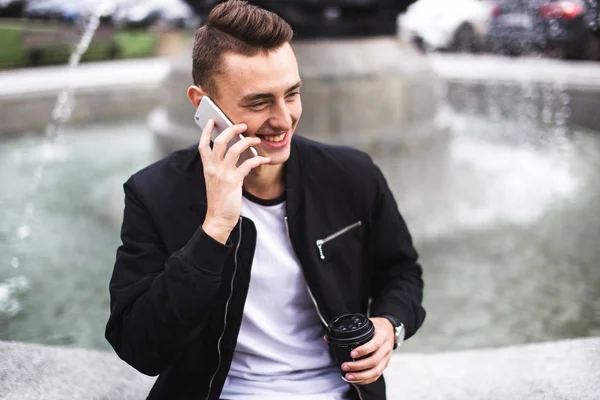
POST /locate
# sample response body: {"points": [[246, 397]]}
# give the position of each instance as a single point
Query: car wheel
{"points": [[419, 44], [591, 47], [35, 57], [465, 40], [114, 52]]}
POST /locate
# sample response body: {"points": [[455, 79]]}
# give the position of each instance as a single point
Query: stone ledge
{"points": [[103, 91], [567, 369], [32, 371], [108, 74], [584, 75], [475, 83]]}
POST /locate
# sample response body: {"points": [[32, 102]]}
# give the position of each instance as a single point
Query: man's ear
{"points": [[195, 94]]}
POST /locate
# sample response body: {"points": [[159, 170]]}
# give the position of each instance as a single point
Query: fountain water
{"points": [[11, 288]]}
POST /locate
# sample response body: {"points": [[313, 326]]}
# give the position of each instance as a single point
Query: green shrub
{"points": [[114, 45]]}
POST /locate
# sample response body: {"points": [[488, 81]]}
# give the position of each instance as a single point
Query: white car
{"points": [[174, 13], [456, 25]]}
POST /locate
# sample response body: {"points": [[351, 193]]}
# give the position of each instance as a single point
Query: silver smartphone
{"points": [[209, 110]]}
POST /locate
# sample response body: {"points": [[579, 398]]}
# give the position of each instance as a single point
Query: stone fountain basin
{"points": [[106, 91]]}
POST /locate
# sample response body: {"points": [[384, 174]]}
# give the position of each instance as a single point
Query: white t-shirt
{"points": [[280, 351]]}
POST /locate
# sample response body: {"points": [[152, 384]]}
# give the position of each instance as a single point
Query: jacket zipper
{"points": [[287, 229], [329, 238], [226, 311], [357, 391]]}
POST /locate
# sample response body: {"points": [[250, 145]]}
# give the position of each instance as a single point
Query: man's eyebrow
{"points": [[262, 96], [296, 86]]}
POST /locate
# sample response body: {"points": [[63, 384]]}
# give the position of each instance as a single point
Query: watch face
{"points": [[399, 331], [402, 332]]}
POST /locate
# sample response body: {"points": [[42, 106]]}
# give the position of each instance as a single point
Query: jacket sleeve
{"points": [[158, 301], [397, 285]]}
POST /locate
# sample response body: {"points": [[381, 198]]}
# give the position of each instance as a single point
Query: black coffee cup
{"points": [[347, 332]]}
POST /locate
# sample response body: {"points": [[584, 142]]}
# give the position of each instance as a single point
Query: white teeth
{"points": [[274, 138]]}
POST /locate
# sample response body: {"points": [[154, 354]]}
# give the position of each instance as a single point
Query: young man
{"points": [[227, 276]]}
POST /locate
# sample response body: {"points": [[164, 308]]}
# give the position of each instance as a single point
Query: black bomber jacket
{"points": [[177, 295]]}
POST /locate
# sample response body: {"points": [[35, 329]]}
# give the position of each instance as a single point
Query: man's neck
{"points": [[265, 182]]}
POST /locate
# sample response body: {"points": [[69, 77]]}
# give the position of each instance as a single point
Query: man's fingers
{"points": [[252, 163], [220, 143], [204, 145], [233, 154], [376, 355], [367, 363], [367, 376], [366, 382], [368, 348]]}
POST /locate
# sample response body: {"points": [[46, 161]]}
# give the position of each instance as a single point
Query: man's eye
{"points": [[293, 94], [258, 105]]}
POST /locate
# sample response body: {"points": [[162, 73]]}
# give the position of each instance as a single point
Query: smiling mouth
{"points": [[272, 138]]}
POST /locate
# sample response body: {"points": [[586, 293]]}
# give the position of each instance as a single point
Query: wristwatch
{"points": [[398, 329]]}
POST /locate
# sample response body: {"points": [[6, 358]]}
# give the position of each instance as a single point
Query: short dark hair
{"points": [[237, 27]]}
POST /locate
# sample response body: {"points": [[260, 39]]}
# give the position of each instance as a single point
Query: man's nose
{"points": [[281, 118]]}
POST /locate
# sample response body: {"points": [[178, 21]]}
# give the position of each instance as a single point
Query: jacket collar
{"points": [[293, 179]]}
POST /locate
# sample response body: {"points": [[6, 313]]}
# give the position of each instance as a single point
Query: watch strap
{"points": [[395, 323], [391, 318]]}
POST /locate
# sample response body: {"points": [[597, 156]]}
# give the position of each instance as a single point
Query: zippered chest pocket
{"points": [[326, 246]]}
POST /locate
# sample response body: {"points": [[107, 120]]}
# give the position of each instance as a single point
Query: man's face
{"points": [[263, 91]]}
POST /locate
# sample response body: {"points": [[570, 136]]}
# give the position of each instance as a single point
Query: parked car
{"points": [[11, 8], [568, 28], [173, 13], [457, 25], [64, 10]]}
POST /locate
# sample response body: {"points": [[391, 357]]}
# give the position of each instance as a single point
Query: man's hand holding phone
{"points": [[224, 179]]}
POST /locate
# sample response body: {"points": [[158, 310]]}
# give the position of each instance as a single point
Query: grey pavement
{"points": [[548, 371]]}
